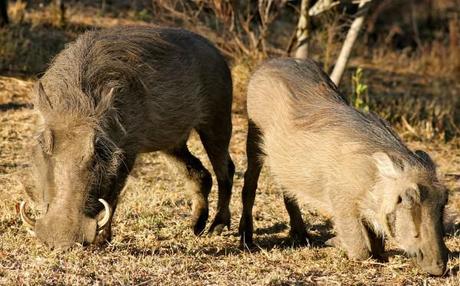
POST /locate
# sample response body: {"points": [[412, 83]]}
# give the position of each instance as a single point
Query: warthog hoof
{"points": [[357, 253], [221, 221], [333, 242], [246, 241], [299, 237], [199, 222]]}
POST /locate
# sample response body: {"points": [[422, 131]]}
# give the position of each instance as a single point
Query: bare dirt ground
{"points": [[153, 244]]}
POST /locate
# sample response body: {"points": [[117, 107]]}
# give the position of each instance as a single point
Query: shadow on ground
{"points": [[14, 106]]}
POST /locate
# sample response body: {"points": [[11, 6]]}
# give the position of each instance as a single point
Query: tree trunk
{"points": [[352, 34], [303, 31], [4, 20], [61, 10], [321, 6]]}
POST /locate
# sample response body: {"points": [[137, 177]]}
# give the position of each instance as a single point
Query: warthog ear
{"points": [[425, 158], [105, 103], [385, 165], [410, 197], [43, 102]]}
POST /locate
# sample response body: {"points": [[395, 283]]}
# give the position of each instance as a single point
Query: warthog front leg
{"points": [[251, 176], [375, 243], [199, 181], [352, 235], [298, 232], [104, 235]]}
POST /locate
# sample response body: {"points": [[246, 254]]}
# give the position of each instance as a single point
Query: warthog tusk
{"points": [[101, 223], [24, 217]]}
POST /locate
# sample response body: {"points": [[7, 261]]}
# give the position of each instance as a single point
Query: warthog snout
{"points": [[61, 230], [433, 258], [436, 266]]}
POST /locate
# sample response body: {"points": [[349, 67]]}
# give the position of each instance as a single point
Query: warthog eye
{"points": [[101, 150], [391, 223], [107, 156], [45, 140]]}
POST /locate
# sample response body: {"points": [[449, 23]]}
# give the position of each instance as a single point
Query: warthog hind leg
{"points": [[251, 176], [199, 181], [215, 136]]}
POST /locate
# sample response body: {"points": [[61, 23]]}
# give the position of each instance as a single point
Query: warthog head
{"points": [[413, 207], [74, 166]]}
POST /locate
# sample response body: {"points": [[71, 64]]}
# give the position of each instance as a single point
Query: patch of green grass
{"points": [[359, 96]]}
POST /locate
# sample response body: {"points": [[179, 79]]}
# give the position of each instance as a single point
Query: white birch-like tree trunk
{"points": [[303, 31], [350, 39]]}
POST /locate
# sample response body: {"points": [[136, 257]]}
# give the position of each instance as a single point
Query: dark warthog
{"points": [[111, 95], [349, 165]]}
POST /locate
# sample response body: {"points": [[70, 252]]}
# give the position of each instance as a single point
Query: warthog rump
{"points": [[347, 164], [111, 95]]}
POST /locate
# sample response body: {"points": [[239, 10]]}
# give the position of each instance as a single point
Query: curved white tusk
{"points": [[101, 223], [24, 217]]}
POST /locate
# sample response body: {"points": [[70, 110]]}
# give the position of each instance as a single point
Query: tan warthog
{"points": [[111, 95], [347, 164]]}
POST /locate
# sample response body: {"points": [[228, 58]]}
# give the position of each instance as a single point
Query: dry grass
{"points": [[153, 244], [152, 240]]}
